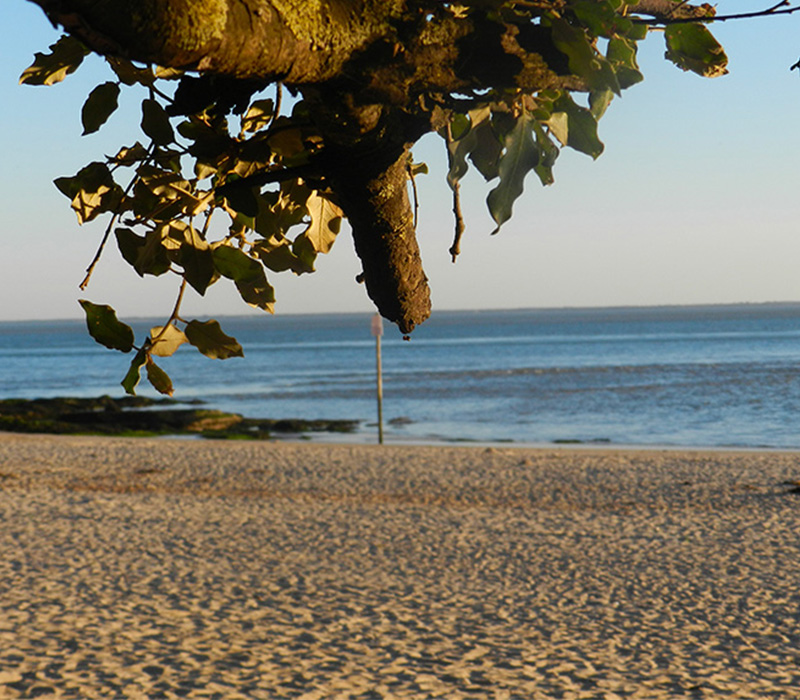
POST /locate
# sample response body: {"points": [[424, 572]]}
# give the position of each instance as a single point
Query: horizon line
{"points": [[614, 307]]}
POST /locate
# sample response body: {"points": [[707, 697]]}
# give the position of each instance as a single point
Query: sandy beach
{"points": [[133, 568]]}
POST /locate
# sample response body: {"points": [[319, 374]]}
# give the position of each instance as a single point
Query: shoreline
{"points": [[156, 568], [367, 439]]}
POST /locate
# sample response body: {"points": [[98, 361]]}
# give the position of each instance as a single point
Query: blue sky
{"points": [[694, 200]]}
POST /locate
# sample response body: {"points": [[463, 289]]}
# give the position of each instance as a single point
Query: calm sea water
{"points": [[683, 376]]}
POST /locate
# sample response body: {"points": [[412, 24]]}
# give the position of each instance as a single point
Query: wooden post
{"points": [[377, 331]]}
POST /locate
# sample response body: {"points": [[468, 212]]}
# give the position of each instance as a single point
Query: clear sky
{"points": [[695, 199]]}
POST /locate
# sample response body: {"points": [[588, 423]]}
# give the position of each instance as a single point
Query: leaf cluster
{"points": [[508, 136], [162, 341], [179, 201]]}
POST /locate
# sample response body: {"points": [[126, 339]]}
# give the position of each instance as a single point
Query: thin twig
{"points": [[455, 249], [277, 110], [98, 254], [114, 219], [174, 316], [770, 12], [207, 223], [414, 192]]}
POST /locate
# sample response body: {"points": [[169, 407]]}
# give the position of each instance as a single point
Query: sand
{"points": [[134, 568]]}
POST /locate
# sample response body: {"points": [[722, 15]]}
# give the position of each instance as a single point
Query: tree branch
{"points": [[268, 177], [648, 7]]}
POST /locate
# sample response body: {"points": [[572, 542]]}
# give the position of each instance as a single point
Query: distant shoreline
{"points": [[745, 305]]}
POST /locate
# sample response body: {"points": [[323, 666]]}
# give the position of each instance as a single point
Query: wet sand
{"points": [[134, 568]]}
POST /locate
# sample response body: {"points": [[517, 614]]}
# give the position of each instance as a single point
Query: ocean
{"points": [[696, 376]]}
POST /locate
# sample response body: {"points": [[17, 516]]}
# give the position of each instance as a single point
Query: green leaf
{"points": [[105, 328], [203, 170], [601, 17], [171, 193], [287, 142], [276, 254], [584, 60], [129, 73], [257, 292], [252, 156], [558, 123], [693, 48], [326, 220], [520, 157], [169, 159], [581, 127], [129, 156], [164, 343], [131, 379], [258, 115], [49, 68], [469, 135], [599, 101], [198, 266], [622, 54], [146, 254], [158, 378], [129, 244], [280, 211], [155, 123], [639, 31], [242, 199], [485, 154], [193, 254], [208, 338], [548, 153], [235, 264], [99, 106], [152, 258], [460, 125], [92, 191], [248, 274]]}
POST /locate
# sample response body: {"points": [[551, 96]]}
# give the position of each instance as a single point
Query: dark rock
{"points": [[140, 415]]}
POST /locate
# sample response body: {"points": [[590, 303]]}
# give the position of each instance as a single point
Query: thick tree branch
{"points": [[377, 205], [381, 50], [290, 40]]}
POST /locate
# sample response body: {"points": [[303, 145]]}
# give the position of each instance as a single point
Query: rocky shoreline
{"points": [[142, 416]]}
